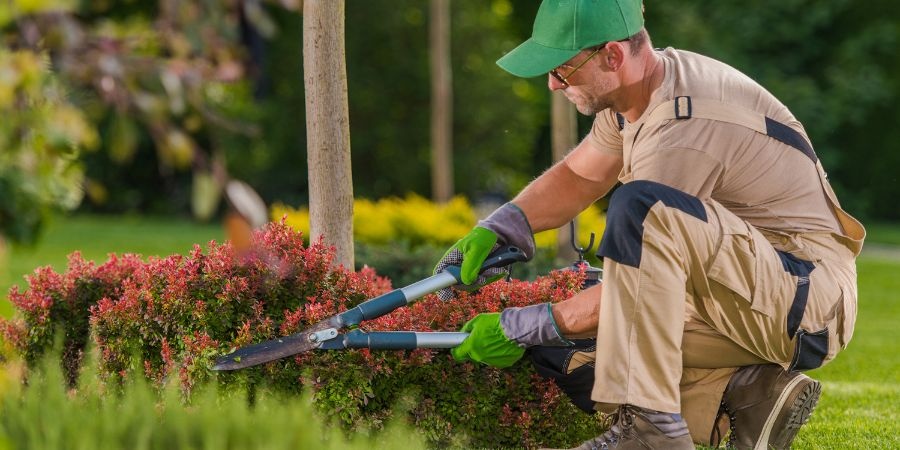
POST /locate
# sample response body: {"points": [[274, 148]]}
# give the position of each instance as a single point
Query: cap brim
{"points": [[531, 59]]}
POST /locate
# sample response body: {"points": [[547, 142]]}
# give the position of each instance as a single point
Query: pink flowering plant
{"points": [[166, 319]]}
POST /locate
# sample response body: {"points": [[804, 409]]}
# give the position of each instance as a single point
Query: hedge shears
{"points": [[327, 335]]}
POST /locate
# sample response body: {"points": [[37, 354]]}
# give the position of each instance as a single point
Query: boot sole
{"points": [[800, 411]]}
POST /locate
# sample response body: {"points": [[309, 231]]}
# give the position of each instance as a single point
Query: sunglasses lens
{"points": [[558, 76]]}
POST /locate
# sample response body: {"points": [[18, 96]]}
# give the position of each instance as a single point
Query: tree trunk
{"points": [[441, 102], [328, 127], [564, 126]]}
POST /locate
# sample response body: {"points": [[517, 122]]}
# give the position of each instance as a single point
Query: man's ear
{"points": [[614, 56]]}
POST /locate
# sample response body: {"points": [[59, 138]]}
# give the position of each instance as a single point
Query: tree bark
{"points": [[328, 127], [441, 102], [564, 136]]}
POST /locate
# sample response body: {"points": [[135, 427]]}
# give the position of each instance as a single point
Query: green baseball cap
{"points": [[563, 28]]}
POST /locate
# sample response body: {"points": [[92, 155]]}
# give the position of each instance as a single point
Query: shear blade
{"points": [[272, 350]]}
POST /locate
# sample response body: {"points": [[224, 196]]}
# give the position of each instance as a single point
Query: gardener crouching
{"points": [[729, 266]]}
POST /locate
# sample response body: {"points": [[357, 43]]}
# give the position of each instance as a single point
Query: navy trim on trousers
{"points": [[810, 351], [628, 207], [811, 347], [800, 269]]}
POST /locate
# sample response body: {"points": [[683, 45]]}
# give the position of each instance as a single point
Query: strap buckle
{"points": [[683, 107]]}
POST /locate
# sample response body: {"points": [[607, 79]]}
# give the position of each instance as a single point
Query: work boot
{"points": [[636, 428], [767, 406]]}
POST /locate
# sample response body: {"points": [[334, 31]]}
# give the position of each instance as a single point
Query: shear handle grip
{"points": [[503, 256]]}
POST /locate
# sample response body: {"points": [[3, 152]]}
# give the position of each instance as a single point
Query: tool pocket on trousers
{"points": [[572, 368], [735, 266], [810, 351]]}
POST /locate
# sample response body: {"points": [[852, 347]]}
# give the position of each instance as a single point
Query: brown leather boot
{"points": [[768, 405], [632, 429]]}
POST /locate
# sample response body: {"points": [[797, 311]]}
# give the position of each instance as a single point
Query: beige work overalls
{"points": [[691, 291]]}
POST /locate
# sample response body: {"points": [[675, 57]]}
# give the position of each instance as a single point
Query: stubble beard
{"points": [[589, 103], [593, 106]]}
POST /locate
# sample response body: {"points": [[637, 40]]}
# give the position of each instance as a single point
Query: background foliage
{"points": [[40, 137], [184, 94], [403, 238]]}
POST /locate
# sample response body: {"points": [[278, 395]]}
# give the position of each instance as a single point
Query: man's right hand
{"points": [[500, 339], [487, 343]]}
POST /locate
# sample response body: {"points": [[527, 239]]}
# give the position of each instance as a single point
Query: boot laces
{"points": [[732, 426], [623, 422]]}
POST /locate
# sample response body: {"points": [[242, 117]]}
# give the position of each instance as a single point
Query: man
{"points": [[729, 266]]}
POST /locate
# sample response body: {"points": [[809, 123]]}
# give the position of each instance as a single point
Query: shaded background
{"points": [[834, 63]]}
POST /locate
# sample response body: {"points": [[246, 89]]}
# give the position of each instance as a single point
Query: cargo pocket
{"points": [[735, 266]]}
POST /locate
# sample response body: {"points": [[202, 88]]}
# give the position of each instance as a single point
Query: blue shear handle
{"points": [[401, 340], [383, 340], [386, 303], [373, 308]]}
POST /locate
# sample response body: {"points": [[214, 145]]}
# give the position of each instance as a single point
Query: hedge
{"points": [[166, 319]]}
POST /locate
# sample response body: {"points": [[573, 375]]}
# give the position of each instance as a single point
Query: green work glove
{"points": [[475, 248], [500, 339], [506, 225], [487, 343], [469, 253]]}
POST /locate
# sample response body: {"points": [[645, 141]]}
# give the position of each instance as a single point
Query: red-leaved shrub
{"points": [[168, 318], [62, 303]]}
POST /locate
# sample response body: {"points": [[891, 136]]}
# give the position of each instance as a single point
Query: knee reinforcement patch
{"points": [[628, 207]]}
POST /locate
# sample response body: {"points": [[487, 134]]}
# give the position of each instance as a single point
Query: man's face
{"points": [[589, 87]]}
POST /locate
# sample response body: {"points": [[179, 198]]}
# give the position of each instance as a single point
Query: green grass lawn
{"points": [[97, 236], [883, 233], [860, 404]]}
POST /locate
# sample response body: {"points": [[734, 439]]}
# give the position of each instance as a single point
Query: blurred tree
{"points": [[176, 87], [157, 77], [327, 127], [40, 137], [833, 63], [236, 63], [497, 118], [441, 102], [564, 128]]}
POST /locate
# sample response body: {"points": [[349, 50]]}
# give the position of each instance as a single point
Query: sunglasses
{"points": [[564, 79]]}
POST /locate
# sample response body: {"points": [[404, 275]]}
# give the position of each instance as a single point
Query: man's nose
{"points": [[553, 84]]}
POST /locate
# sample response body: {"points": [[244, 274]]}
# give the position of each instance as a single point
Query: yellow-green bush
{"points": [[419, 221], [46, 415], [41, 135]]}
